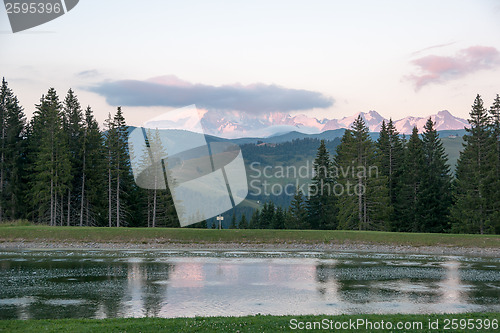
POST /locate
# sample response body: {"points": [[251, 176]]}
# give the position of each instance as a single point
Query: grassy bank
{"points": [[259, 324], [206, 236]]}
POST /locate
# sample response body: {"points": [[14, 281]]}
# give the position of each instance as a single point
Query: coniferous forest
{"points": [[61, 168]]}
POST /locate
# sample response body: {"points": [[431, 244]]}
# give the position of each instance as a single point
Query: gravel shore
{"points": [[352, 247]]}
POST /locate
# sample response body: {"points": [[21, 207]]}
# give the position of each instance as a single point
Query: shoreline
{"points": [[290, 246]]}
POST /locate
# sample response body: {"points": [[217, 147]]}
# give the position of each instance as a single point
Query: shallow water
{"points": [[135, 283]]}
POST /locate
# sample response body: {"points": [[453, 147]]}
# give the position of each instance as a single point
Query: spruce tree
{"points": [[243, 222], [93, 178], [157, 200], [473, 211], [298, 212], [51, 161], [390, 157], [110, 142], [255, 220], [435, 193], [73, 130], [122, 192], [233, 222], [494, 178], [267, 215], [364, 202], [321, 201], [12, 122], [279, 219], [407, 203]]}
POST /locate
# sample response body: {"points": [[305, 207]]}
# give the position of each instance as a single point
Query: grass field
{"points": [[206, 236], [261, 324]]}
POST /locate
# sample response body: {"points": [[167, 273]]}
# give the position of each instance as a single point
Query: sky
{"points": [[327, 59]]}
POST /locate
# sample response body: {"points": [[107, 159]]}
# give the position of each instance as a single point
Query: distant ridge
{"points": [[238, 124], [329, 135]]}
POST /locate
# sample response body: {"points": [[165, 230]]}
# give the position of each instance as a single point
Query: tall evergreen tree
{"points": [[12, 122], [243, 222], [122, 166], [390, 157], [93, 175], [407, 203], [165, 199], [73, 127], [321, 201], [279, 218], [153, 172], [267, 215], [51, 161], [233, 222], [472, 212], [254, 220], [123, 195], [110, 142], [494, 178], [364, 203], [435, 194], [120, 182], [298, 212]]}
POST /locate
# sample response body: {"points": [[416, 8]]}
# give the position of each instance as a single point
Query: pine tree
{"points": [[120, 182], [407, 203], [472, 212], [51, 160], [298, 212], [279, 219], [233, 222], [157, 200], [243, 222], [254, 220], [154, 174], [390, 157], [494, 178], [93, 173], [12, 122], [321, 201], [267, 215], [110, 142], [364, 203], [435, 194], [73, 130], [122, 167]]}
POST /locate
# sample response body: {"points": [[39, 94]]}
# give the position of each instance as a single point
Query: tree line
{"points": [[59, 168], [403, 184]]}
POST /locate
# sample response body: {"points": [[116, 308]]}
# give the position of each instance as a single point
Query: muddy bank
{"points": [[294, 246]]}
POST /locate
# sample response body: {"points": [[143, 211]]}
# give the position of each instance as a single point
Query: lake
{"points": [[138, 283]]}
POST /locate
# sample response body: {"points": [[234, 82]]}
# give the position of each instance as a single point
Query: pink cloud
{"points": [[440, 69]]}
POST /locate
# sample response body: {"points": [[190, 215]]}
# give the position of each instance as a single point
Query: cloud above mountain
{"points": [[441, 69], [171, 91]]}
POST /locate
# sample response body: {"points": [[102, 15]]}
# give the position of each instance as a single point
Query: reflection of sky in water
{"points": [[101, 284]]}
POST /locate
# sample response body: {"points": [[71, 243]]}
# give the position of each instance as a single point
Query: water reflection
{"points": [[452, 290], [64, 284]]}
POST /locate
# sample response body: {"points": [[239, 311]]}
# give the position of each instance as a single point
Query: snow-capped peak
{"points": [[240, 124]]}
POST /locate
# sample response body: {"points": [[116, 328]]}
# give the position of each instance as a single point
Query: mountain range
{"points": [[238, 124]]}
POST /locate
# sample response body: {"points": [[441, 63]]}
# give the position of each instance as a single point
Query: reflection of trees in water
{"points": [[360, 284], [451, 287], [84, 289], [156, 293], [328, 284], [146, 288]]}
